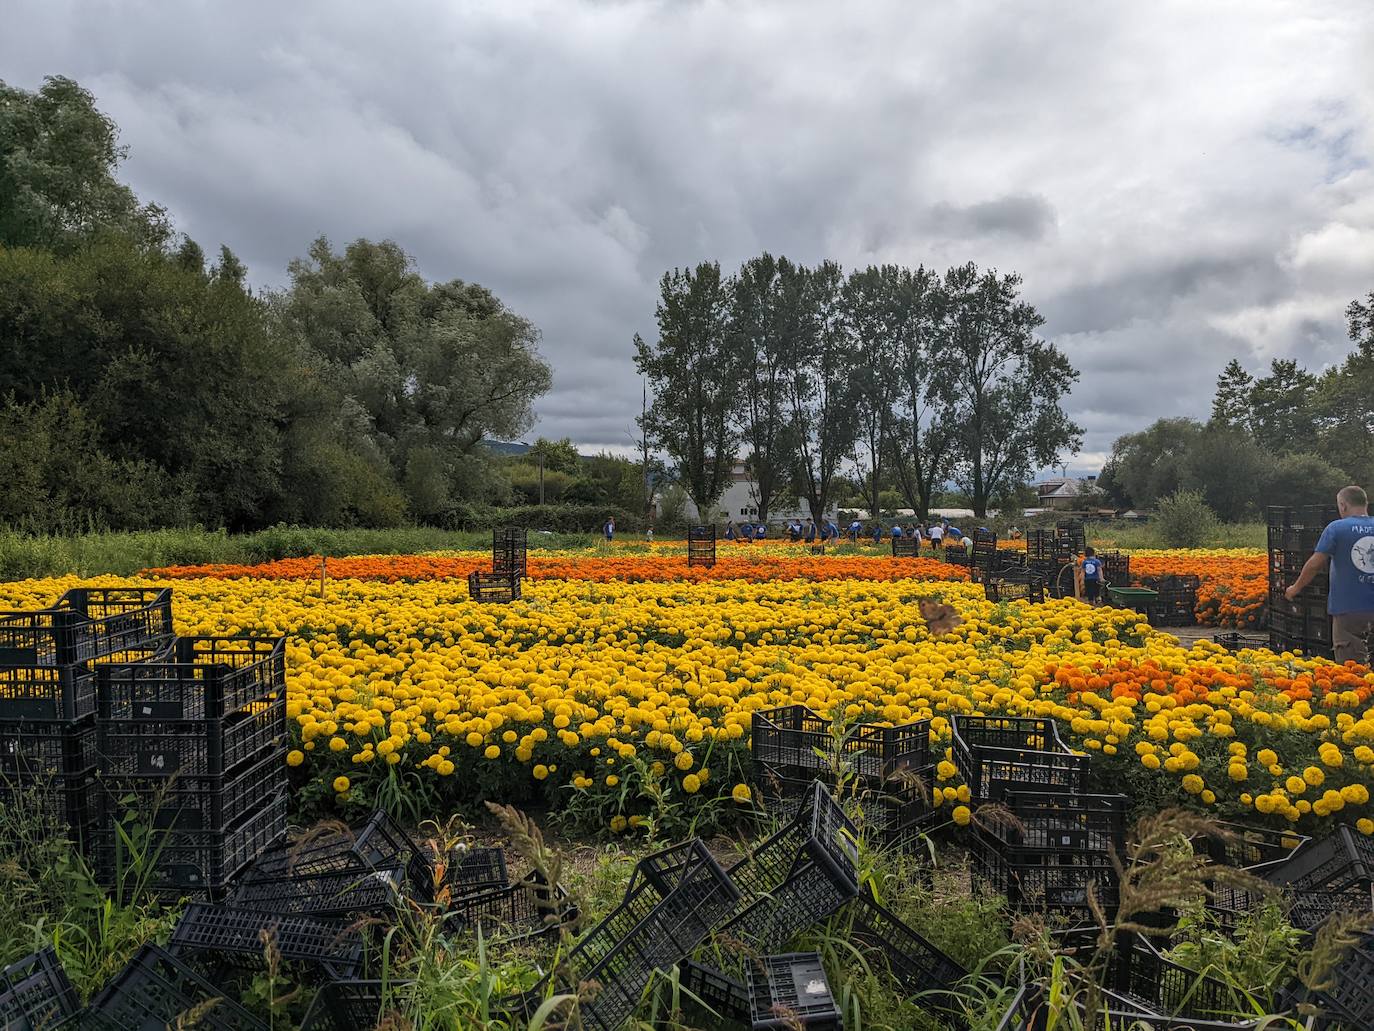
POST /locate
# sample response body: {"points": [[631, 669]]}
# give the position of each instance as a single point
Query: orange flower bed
{"points": [[631, 569], [1233, 588]]}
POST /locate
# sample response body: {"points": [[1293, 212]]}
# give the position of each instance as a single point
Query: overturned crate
{"points": [[887, 942], [995, 754], [156, 990], [798, 877], [239, 937], [1014, 585], [471, 871], [791, 993], [521, 911], [35, 993], [351, 1005], [675, 899], [701, 546]]}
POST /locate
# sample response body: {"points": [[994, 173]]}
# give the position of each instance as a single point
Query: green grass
{"points": [[1137, 536]]}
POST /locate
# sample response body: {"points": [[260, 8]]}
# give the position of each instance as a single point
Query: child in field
{"points": [[1092, 576]]}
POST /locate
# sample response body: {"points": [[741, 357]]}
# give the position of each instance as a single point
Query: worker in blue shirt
{"points": [[760, 531], [609, 529], [896, 531], [877, 532], [730, 530], [1346, 547], [832, 531], [1092, 576], [810, 531], [854, 527]]}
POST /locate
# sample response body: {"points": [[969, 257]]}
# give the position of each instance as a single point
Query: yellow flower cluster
{"points": [[574, 685]]}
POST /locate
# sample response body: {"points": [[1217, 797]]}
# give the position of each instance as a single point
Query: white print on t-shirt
{"points": [[1362, 554]]}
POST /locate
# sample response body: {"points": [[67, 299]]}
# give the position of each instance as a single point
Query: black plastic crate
{"points": [[156, 991], [63, 804], [35, 749], [1176, 601], [1057, 822], [1137, 974], [509, 551], [493, 588], [892, 812], [513, 912], [379, 844], [35, 994], [791, 992], [1236, 641], [913, 962], [159, 749], [1246, 846], [197, 803], [701, 546], [1343, 859], [196, 861], [906, 547], [363, 892], [1014, 585], [470, 871], [86, 624], [1350, 999], [1116, 567], [46, 693], [335, 946], [204, 678], [1309, 909], [1045, 882], [724, 995], [676, 897], [791, 735], [1301, 517], [351, 1006], [797, 877], [997, 753]]}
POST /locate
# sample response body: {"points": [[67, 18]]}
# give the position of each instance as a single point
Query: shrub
{"points": [[1184, 520]]}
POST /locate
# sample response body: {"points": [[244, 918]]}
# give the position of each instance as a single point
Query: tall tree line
{"points": [[914, 377], [1284, 437], [144, 385]]}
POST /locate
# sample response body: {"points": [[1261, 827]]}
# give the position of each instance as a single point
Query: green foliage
{"points": [[1184, 520], [672, 508], [1148, 465]]}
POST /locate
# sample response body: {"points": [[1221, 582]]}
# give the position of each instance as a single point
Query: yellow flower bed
{"points": [[638, 697]]}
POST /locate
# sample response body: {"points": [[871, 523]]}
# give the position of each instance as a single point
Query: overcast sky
{"points": [[1178, 182]]}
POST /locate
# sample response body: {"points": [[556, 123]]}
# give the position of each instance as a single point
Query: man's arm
{"points": [[1310, 569]]}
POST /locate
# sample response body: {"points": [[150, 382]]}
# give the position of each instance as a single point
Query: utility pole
{"points": [[644, 444]]}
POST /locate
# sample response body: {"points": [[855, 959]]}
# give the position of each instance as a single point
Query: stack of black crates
{"points": [[191, 746], [985, 551], [701, 546], [1175, 603], [1303, 623], [509, 548], [1050, 552], [888, 769], [1039, 839], [49, 660]]}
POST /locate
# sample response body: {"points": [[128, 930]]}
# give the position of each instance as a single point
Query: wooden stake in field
{"points": [[323, 561]]}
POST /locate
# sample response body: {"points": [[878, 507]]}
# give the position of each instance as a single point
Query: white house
{"points": [[740, 504]]}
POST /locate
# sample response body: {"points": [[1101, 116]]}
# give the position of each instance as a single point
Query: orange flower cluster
{"points": [[1233, 588], [555, 566]]}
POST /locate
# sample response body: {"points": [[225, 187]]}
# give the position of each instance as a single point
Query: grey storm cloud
{"points": [[1178, 183]]}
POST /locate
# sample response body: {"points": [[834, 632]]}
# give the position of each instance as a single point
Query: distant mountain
{"points": [[506, 447]]}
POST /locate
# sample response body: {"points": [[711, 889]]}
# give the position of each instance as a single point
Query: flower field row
{"points": [[623, 702], [1234, 583]]}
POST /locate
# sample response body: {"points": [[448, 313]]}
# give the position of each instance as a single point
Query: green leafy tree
{"points": [[58, 156], [1231, 407], [1148, 464], [1283, 414], [1007, 386], [877, 306], [1227, 467], [763, 327], [1304, 479], [695, 379], [1345, 400], [559, 455], [923, 440], [820, 389]]}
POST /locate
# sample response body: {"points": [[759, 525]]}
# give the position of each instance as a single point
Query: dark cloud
{"points": [[1178, 183]]}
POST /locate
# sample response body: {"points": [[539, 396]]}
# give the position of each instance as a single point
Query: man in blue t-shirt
{"points": [[1092, 576], [1347, 548]]}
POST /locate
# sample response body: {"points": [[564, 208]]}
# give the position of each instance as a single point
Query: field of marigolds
{"points": [[618, 692]]}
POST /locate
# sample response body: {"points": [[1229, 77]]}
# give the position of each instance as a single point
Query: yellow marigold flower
{"points": [[1314, 776], [1296, 784], [1193, 784], [445, 767], [474, 740], [1365, 825], [1267, 757], [618, 823], [492, 752], [612, 780], [1355, 794], [540, 772], [691, 784], [1208, 796], [962, 815], [741, 793], [683, 760], [295, 757], [945, 769], [341, 784], [1150, 761]]}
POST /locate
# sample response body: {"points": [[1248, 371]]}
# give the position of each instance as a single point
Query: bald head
{"points": [[1351, 501]]}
